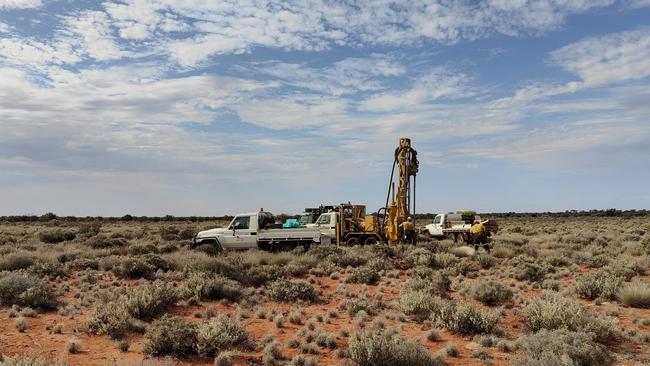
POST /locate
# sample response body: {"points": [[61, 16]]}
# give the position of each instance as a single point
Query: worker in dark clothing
{"points": [[479, 236], [408, 231]]}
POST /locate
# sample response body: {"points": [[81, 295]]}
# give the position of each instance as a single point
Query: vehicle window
{"points": [[241, 222], [304, 219], [324, 220], [437, 219]]}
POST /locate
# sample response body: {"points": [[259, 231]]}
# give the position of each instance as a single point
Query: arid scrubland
{"points": [[554, 290]]}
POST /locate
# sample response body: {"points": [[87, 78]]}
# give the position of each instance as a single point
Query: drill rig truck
{"points": [[348, 223]]}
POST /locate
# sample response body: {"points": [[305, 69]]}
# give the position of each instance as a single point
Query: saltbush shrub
{"points": [[56, 236], [150, 300], [262, 275], [353, 305], [528, 268], [491, 292], [561, 347], [419, 303], [219, 334], [625, 267], [140, 249], [363, 274], [213, 287], [134, 268], [170, 335], [292, 290], [112, 319], [383, 348], [26, 290], [101, 242], [598, 284], [463, 319], [550, 310]]}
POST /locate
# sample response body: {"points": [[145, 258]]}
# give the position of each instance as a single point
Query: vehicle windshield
{"points": [[240, 222], [437, 219], [324, 219]]}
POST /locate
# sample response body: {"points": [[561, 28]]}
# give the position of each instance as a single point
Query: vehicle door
{"points": [[242, 233], [435, 228], [326, 223]]}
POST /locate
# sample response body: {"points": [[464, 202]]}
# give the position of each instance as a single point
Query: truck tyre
{"points": [[285, 247], [451, 236], [352, 241], [370, 241], [209, 247]]}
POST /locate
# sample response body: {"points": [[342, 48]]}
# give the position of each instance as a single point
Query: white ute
{"points": [[257, 230]]}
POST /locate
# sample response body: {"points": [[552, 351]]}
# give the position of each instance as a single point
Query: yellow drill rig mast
{"points": [[401, 204]]}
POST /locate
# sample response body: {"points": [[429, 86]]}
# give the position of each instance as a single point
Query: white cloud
{"points": [[437, 83], [638, 3], [346, 76], [237, 26], [4, 27], [20, 4], [91, 30], [607, 59]]}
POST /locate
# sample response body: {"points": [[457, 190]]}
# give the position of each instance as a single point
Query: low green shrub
{"points": [[598, 284], [140, 249], [170, 335], [150, 300], [463, 319], [157, 262], [528, 268], [16, 261], [112, 319], [292, 290], [56, 236], [636, 295], [561, 347], [550, 310], [485, 261], [363, 274], [419, 303], [383, 348], [263, 274], [213, 287], [29, 360], [144, 302], [101, 242], [491, 292], [625, 267], [219, 334], [353, 305], [134, 268], [26, 290]]}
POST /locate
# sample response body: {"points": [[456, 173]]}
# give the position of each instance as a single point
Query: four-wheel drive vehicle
{"points": [[311, 214], [456, 226], [257, 230]]}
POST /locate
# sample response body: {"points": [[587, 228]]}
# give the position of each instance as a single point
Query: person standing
{"points": [[408, 230], [479, 236]]}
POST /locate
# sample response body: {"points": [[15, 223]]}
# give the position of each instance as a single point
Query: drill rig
{"points": [[400, 203]]}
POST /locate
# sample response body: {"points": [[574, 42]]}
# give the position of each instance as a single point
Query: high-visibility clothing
{"points": [[477, 228], [407, 226]]}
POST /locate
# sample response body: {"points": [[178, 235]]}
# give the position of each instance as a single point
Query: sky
{"points": [[188, 107]]}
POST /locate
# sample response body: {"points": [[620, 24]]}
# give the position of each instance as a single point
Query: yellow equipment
{"points": [[400, 204]]}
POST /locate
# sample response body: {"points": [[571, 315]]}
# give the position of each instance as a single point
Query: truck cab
{"points": [[241, 233]]}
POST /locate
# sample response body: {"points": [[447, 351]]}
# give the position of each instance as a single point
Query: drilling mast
{"points": [[400, 204]]}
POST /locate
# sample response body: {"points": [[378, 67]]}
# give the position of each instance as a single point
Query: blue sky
{"points": [[189, 107]]}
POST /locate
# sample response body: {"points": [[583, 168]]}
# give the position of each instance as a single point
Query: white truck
{"points": [[455, 226], [257, 230]]}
